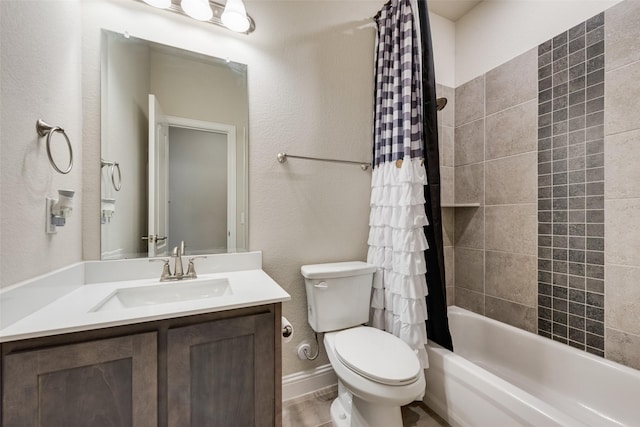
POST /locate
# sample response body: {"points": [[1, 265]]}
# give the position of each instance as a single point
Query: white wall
{"points": [[443, 39], [496, 31], [40, 77]]}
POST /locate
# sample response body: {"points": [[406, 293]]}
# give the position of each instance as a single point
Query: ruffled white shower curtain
{"points": [[396, 237]]}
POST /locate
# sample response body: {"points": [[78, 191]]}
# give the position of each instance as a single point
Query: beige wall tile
{"points": [[622, 298], [469, 143], [449, 266], [470, 300], [517, 315], [448, 226], [451, 295], [512, 228], [512, 180], [512, 277], [446, 185], [512, 131], [622, 348], [469, 104], [622, 34], [621, 99], [469, 228], [469, 183], [470, 269], [622, 245], [621, 160], [446, 145], [513, 82]]}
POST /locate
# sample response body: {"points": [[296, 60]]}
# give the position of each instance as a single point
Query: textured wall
{"points": [[40, 77]]}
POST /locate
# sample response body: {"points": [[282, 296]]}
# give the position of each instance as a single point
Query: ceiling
{"points": [[452, 9]]}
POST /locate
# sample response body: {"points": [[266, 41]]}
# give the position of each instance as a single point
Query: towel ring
{"points": [[47, 130], [117, 186], [112, 166]]}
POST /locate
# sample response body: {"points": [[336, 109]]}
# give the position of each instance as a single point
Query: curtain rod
{"points": [[282, 157]]}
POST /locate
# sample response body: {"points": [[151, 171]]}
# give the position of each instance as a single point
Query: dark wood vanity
{"points": [[216, 369]]}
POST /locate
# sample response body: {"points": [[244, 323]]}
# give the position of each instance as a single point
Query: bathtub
{"points": [[503, 376]]}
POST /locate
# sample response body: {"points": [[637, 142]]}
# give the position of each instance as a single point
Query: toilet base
{"points": [[339, 416], [365, 414]]}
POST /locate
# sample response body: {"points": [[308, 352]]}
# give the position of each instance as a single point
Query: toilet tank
{"points": [[338, 294]]}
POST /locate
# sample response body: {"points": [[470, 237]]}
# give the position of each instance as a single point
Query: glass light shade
{"points": [[197, 9], [162, 4], [234, 16]]}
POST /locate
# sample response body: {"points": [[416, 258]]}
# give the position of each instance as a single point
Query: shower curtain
{"points": [[396, 237], [398, 219]]}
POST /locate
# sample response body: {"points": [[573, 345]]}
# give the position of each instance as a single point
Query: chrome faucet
{"points": [[177, 256], [178, 267]]}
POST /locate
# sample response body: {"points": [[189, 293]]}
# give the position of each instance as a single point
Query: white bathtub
{"points": [[503, 376]]}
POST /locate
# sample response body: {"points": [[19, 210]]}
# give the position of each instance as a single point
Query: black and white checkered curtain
{"points": [[396, 238], [398, 112]]}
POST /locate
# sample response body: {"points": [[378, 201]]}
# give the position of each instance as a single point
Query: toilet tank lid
{"points": [[337, 269]]}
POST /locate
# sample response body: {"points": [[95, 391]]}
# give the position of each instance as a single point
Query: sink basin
{"points": [[164, 293]]}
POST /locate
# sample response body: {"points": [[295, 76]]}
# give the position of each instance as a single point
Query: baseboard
{"points": [[305, 382]]}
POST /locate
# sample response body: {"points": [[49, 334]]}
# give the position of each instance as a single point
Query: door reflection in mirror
{"points": [[198, 93]]}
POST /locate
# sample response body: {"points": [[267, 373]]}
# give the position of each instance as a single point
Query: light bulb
{"points": [[162, 4], [197, 9], [234, 16]]}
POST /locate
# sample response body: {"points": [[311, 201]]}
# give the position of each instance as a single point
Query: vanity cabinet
{"points": [[110, 382], [214, 369], [221, 373]]}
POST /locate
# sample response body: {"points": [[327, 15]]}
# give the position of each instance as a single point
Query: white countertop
{"points": [[72, 312]]}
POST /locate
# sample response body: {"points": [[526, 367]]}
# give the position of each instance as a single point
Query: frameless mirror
{"points": [[174, 150]]}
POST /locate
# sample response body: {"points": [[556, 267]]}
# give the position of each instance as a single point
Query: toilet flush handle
{"points": [[321, 285]]}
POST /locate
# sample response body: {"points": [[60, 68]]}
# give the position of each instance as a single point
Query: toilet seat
{"points": [[377, 356]]}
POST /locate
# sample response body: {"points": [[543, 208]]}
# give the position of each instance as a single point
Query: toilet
{"points": [[377, 372]]}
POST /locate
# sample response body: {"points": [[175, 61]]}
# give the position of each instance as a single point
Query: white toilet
{"points": [[377, 372]]}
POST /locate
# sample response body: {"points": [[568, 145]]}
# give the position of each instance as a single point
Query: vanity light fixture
{"points": [[197, 9], [162, 4], [232, 16]]}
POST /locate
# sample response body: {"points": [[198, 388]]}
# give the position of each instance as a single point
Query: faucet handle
{"points": [[166, 269], [191, 269]]}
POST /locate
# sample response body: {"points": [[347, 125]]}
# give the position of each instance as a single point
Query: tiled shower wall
{"points": [[588, 294], [495, 168], [571, 187], [446, 147]]}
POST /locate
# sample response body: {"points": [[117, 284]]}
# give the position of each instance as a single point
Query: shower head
{"points": [[440, 103]]}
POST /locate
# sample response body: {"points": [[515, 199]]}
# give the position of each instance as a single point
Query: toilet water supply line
{"points": [[305, 351]]}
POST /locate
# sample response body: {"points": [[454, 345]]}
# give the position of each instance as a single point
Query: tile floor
{"points": [[313, 411]]}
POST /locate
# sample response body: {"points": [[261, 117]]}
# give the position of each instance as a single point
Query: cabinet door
{"points": [[221, 373], [110, 382]]}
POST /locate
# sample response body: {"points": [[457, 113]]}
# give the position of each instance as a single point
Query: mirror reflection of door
{"points": [[198, 160], [158, 157], [192, 184]]}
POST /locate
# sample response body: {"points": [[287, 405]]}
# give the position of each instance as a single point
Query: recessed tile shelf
{"points": [[462, 205]]}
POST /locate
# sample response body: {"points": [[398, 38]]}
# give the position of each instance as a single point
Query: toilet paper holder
{"points": [[287, 330]]}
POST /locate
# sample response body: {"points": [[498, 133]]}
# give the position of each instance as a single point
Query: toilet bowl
{"points": [[377, 372], [375, 385]]}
